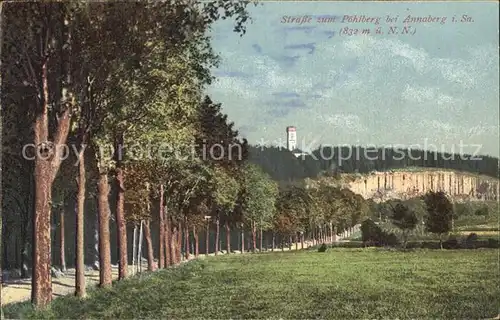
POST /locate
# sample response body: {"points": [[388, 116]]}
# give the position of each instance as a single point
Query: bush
{"points": [[472, 237], [483, 211], [370, 231], [493, 243], [451, 243], [322, 248], [373, 235], [389, 239], [350, 244]]}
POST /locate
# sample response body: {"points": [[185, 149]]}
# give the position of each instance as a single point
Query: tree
{"points": [[139, 86], [218, 145], [439, 214], [258, 199], [38, 36], [225, 193], [102, 73], [292, 203], [370, 232], [405, 219]]}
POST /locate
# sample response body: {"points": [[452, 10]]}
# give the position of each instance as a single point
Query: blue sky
{"points": [[439, 86]]}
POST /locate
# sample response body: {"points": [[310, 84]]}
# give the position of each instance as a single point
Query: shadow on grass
{"points": [[106, 303], [59, 283]]}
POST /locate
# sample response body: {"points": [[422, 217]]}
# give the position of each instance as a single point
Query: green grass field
{"points": [[339, 284]]}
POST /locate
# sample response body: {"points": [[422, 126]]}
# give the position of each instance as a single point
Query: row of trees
{"points": [[104, 102], [81, 79], [437, 219]]}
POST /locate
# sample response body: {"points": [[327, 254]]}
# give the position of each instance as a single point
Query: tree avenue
{"points": [[100, 76]]}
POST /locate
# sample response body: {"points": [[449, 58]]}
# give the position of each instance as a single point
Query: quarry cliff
{"points": [[401, 184]]}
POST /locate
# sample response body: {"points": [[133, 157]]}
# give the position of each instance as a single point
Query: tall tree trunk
{"points": [[274, 242], [149, 245], [173, 246], [207, 238], [260, 239], [17, 251], [104, 238], [228, 238], [1, 191], [196, 243], [46, 169], [217, 230], [25, 230], [62, 245], [331, 233], [254, 237], [80, 290], [5, 251], [120, 214], [290, 241], [139, 253], [41, 292], [24, 251], [169, 253], [41, 284], [186, 238], [95, 251], [242, 238], [179, 243], [161, 253], [134, 250]]}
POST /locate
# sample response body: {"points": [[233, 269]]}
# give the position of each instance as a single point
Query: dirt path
{"points": [[17, 290]]}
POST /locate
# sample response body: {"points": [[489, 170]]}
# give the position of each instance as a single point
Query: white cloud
{"points": [[419, 95], [345, 121]]}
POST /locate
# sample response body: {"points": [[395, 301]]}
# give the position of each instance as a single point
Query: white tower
{"points": [[291, 138]]}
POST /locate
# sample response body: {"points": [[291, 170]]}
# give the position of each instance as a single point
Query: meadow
{"points": [[338, 284]]}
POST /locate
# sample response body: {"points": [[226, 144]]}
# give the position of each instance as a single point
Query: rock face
{"points": [[406, 184]]}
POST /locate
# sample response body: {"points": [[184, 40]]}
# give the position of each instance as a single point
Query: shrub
{"points": [[350, 244], [370, 231], [483, 211], [493, 243], [372, 234], [322, 248], [389, 239], [471, 237], [451, 243]]}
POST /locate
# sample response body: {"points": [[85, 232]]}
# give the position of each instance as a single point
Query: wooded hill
{"points": [[283, 166]]}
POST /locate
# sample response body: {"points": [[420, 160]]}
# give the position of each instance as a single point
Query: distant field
{"points": [[340, 284]]}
